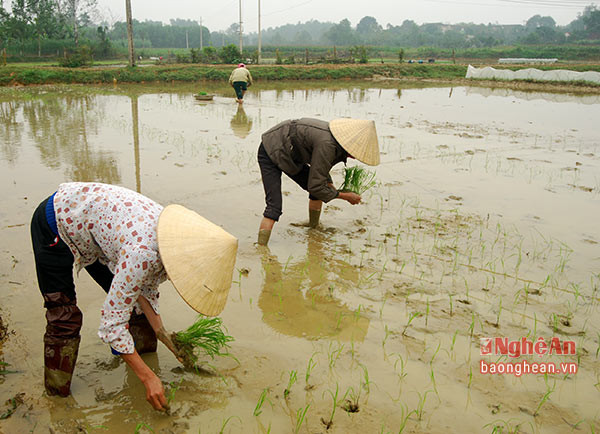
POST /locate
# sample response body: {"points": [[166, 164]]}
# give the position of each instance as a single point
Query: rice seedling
{"points": [[4, 371], [357, 180], [421, 404], [334, 355], [402, 373], [309, 368], [411, 317], [366, 383], [546, 395], [261, 400], [404, 417], [205, 334], [432, 376], [435, 353], [140, 426], [385, 337], [501, 426], [226, 421], [351, 405], [291, 381], [174, 388], [300, 416], [334, 398]]}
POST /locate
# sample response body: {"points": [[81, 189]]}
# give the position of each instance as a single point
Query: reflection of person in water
{"points": [[241, 125], [116, 234], [306, 150], [296, 307]]}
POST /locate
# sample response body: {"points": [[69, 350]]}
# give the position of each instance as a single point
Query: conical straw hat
{"points": [[198, 256], [358, 137]]}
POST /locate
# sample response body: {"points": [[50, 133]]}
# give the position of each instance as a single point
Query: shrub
{"points": [[81, 56]]}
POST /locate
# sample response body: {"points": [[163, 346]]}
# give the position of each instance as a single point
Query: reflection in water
{"points": [[116, 403], [11, 132], [59, 129], [241, 125], [136, 141], [297, 300], [533, 95]]}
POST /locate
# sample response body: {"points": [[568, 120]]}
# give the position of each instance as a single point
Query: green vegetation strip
{"points": [[16, 75]]}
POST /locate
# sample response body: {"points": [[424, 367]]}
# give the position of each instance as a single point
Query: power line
{"points": [[287, 9], [563, 4]]}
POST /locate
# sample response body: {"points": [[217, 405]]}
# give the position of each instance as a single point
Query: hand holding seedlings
{"points": [[357, 180], [350, 197], [164, 336], [205, 333]]}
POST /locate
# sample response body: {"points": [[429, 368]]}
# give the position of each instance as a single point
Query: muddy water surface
{"points": [[483, 223]]}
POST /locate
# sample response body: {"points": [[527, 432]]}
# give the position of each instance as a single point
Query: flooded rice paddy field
{"points": [[484, 223]]}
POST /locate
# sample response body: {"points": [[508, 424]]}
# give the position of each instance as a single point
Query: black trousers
{"points": [[240, 87], [54, 269], [271, 179]]}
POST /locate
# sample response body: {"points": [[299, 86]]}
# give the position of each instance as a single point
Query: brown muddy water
{"points": [[484, 224]]}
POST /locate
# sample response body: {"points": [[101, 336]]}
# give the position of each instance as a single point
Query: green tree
{"points": [[368, 29], [592, 24], [209, 55], [341, 34], [537, 21], [230, 54], [44, 20], [19, 27], [104, 46], [360, 52]]}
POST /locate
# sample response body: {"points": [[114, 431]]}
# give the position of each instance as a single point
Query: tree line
{"points": [[51, 27]]}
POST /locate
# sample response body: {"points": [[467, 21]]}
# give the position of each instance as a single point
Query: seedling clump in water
{"points": [[357, 180], [206, 334]]}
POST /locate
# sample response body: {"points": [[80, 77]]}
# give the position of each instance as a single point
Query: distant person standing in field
{"points": [[240, 79], [306, 150]]}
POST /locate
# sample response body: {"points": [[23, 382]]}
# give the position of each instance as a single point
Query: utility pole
{"points": [[201, 44], [129, 32], [240, 26], [187, 41], [259, 37]]}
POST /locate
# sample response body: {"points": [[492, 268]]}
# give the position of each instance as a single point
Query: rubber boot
{"points": [[263, 236], [313, 217], [60, 355], [142, 333]]}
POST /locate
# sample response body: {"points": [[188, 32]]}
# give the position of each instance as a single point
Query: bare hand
{"points": [[165, 338], [353, 198], [155, 393]]}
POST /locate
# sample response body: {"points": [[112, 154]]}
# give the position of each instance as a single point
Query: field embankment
{"points": [[14, 75]]}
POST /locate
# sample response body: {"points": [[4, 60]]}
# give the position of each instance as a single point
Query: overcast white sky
{"points": [[218, 15]]}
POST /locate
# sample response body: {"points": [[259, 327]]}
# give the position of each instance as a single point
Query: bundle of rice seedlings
{"points": [[205, 334], [357, 180]]}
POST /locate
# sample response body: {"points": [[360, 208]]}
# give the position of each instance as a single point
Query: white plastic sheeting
{"points": [[526, 60], [532, 74]]}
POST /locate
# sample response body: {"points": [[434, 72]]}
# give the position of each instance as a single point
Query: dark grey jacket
{"points": [[293, 143]]}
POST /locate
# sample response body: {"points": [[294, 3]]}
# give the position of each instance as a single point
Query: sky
{"points": [[219, 15]]}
